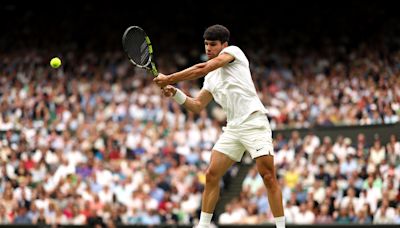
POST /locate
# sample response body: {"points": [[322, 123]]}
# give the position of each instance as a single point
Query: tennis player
{"points": [[228, 80]]}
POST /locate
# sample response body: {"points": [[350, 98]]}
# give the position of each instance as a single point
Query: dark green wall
{"points": [[370, 131]]}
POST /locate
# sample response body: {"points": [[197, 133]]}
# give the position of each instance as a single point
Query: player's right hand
{"points": [[169, 91], [162, 80]]}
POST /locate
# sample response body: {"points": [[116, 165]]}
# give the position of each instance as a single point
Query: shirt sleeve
{"points": [[207, 85], [235, 52]]}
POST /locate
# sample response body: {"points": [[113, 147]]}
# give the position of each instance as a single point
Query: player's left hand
{"points": [[169, 91], [162, 80]]}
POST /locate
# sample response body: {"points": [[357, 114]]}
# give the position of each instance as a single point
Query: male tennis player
{"points": [[228, 81]]}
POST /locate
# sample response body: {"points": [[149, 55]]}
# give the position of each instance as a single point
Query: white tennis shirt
{"points": [[233, 88]]}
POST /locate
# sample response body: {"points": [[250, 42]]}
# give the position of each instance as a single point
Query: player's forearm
{"points": [[192, 105], [190, 73]]}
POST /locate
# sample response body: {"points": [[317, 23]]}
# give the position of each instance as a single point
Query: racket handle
{"points": [[153, 69]]}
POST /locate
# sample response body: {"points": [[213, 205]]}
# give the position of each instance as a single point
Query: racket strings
{"points": [[137, 47]]}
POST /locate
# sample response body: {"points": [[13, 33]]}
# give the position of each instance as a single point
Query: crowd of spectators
{"points": [[94, 142], [326, 181], [312, 89]]}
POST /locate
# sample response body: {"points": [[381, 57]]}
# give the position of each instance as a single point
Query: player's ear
{"points": [[225, 44]]}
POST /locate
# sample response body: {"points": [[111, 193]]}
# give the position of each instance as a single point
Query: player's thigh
{"points": [[219, 164]]}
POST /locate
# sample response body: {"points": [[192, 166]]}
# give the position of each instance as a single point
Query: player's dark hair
{"points": [[217, 32]]}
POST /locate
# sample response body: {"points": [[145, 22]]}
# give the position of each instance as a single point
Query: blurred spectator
{"points": [[384, 214], [377, 153], [324, 217], [349, 199], [363, 217], [22, 217], [40, 219], [4, 217], [253, 181], [304, 215], [94, 219], [397, 216], [227, 216], [343, 216]]}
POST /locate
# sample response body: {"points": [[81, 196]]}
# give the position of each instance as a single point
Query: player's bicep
{"points": [[219, 61]]}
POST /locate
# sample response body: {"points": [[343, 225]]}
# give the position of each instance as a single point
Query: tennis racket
{"points": [[138, 47]]}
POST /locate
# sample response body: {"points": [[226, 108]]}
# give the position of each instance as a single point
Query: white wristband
{"points": [[179, 97]]}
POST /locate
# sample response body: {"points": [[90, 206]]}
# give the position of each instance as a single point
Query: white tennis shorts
{"points": [[253, 135]]}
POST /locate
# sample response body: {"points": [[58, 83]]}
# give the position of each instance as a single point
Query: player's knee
{"points": [[211, 177], [269, 178]]}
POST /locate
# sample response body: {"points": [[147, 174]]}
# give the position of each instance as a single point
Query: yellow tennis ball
{"points": [[55, 62]]}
